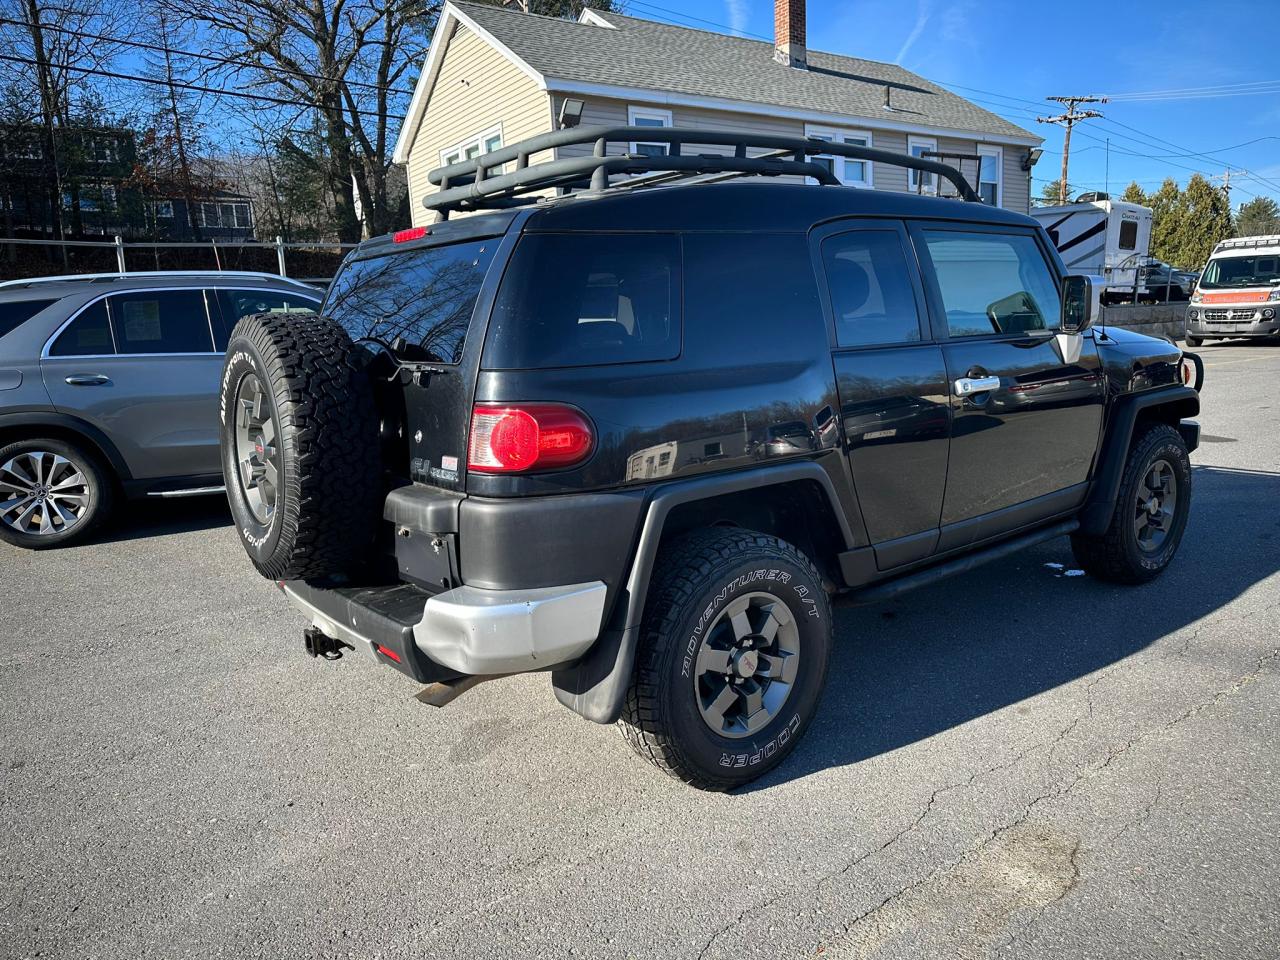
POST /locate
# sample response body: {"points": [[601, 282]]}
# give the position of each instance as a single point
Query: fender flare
{"points": [[596, 685], [1095, 516], [61, 421]]}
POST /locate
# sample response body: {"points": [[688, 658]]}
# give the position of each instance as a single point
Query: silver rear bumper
{"points": [[477, 631], [480, 632]]}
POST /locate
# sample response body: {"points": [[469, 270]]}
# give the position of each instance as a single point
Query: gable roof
{"points": [[645, 61]]}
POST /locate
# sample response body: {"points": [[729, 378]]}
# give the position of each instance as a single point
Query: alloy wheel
{"points": [[42, 493], [257, 452], [1157, 501], [746, 665]]}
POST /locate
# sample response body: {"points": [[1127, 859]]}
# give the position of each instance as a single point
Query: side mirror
{"points": [[1081, 303]]}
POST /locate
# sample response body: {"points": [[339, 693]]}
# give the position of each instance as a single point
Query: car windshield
{"points": [[1257, 271]]}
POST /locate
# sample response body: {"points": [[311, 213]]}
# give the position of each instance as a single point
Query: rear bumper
{"points": [[466, 630]]}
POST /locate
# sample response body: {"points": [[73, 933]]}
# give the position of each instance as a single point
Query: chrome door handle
{"points": [[968, 386], [88, 380]]}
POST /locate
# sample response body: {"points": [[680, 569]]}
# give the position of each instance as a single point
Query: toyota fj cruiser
{"points": [[636, 427]]}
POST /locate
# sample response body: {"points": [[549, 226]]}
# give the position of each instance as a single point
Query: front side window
{"points": [[234, 304], [571, 300], [918, 180], [167, 321], [88, 335], [993, 283], [424, 296], [871, 291], [648, 117]]}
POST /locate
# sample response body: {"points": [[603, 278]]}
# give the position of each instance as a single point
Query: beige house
{"points": [[496, 75]]}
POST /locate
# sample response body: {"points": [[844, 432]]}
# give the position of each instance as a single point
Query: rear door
{"points": [[892, 384], [141, 365], [1026, 403]]}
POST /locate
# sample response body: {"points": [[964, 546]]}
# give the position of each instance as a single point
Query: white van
{"points": [[1104, 237], [1239, 292]]}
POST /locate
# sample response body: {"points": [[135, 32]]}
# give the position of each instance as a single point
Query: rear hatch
{"points": [[411, 301]]}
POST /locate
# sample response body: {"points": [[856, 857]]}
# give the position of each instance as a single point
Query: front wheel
{"points": [[1193, 341], [733, 658], [1150, 513]]}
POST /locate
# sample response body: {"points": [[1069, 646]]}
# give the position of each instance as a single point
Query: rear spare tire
{"points": [[300, 453]]}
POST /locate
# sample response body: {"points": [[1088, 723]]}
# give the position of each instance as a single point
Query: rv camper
{"points": [[1104, 237]]}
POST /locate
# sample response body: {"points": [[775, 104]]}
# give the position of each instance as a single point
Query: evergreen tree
{"points": [[1259, 216], [1133, 194]]}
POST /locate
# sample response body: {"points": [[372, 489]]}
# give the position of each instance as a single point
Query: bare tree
{"points": [[343, 59]]}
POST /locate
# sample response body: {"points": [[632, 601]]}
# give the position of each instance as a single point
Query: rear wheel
{"points": [[732, 659], [1150, 513], [52, 493], [300, 453], [1193, 341]]}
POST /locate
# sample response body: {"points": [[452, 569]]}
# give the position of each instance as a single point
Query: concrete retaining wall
{"points": [[1155, 320]]}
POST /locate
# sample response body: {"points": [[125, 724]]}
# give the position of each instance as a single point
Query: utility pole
{"points": [[1069, 120], [1225, 177]]}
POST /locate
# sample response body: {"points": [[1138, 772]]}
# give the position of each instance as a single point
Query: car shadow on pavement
{"points": [[162, 516], [907, 669]]}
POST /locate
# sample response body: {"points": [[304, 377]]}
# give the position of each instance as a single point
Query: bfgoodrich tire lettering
{"points": [[700, 577], [299, 445]]}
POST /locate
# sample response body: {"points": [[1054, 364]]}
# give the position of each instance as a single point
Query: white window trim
{"points": [[648, 113], [930, 185], [842, 135], [460, 149], [988, 150]]}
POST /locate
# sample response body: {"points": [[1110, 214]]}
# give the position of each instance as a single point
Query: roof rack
{"points": [[132, 275], [480, 184]]}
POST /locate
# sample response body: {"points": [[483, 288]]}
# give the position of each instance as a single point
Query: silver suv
{"points": [[109, 385]]}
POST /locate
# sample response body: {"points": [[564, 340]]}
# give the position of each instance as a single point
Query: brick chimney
{"points": [[788, 34]]}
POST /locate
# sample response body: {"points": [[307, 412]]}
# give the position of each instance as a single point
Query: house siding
{"points": [[476, 90], [607, 112]]}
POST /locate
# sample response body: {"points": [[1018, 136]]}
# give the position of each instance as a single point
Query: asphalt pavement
{"points": [[1021, 761]]}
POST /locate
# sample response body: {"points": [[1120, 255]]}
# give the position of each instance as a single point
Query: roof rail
{"points": [[229, 274], [474, 184]]}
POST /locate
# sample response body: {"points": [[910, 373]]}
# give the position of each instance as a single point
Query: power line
{"points": [[182, 85], [83, 35]]}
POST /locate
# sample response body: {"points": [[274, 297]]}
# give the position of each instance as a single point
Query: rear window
{"points": [[573, 300], [17, 312], [1128, 235], [425, 296]]}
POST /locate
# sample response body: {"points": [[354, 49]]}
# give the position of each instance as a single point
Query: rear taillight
{"points": [[517, 438]]}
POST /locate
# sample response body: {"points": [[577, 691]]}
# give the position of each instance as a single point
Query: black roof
{"points": [[750, 205]]}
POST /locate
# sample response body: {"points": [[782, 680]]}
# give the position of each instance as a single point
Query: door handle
{"points": [[968, 386], [88, 380]]}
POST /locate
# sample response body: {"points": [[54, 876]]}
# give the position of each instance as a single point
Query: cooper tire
{"points": [[71, 478], [689, 648], [1157, 460], [300, 453]]}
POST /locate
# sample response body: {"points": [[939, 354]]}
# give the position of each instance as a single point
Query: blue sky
{"points": [[1018, 53]]}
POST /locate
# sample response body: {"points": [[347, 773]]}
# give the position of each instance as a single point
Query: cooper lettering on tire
{"points": [[732, 658], [300, 453]]}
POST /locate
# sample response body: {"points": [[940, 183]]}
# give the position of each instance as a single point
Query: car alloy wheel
{"points": [[42, 493], [257, 452], [1156, 504]]}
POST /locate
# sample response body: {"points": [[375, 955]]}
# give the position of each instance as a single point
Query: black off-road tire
{"points": [[319, 402], [695, 579], [1193, 341], [1116, 555], [98, 490]]}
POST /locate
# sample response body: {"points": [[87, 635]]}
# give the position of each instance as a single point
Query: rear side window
{"points": [[88, 335], [572, 300], [993, 283], [169, 321], [870, 285], [17, 312], [234, 304], [424, 296]]}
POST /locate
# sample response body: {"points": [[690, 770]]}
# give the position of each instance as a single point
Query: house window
{"points": [[243, 215], [472, 147], [93, 199], [990, 174], [163, 209], [224, 215], [102, 150], [648, 117], [917, 180], [853, 173]]}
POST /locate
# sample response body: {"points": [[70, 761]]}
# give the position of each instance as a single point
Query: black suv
{"points": [[639, 433]]}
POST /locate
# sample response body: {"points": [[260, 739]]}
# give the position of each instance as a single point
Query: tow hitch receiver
{"points": [[318, 644]]}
